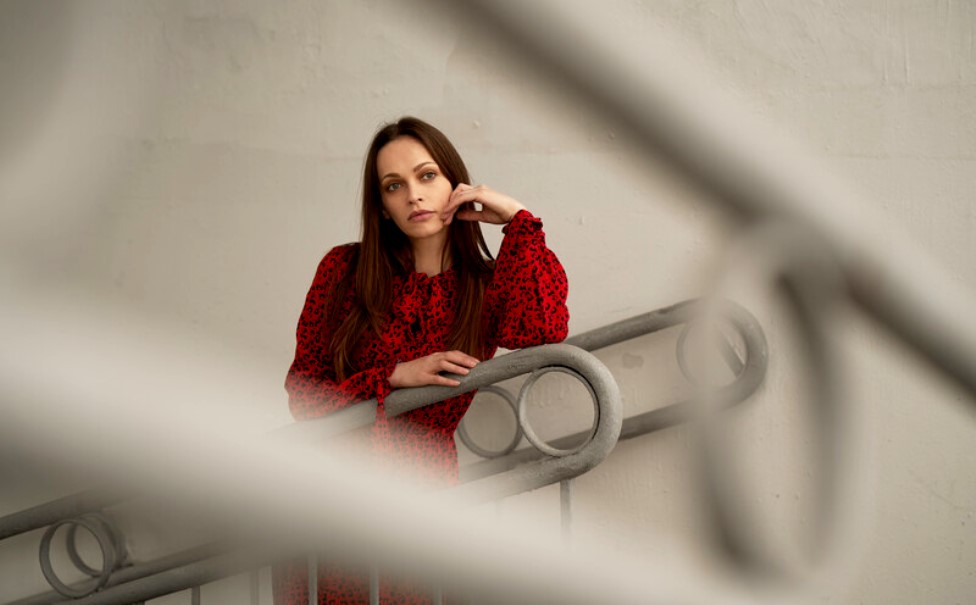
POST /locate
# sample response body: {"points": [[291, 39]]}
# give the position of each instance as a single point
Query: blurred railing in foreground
{"points": [[798, 232], [506, 473]]}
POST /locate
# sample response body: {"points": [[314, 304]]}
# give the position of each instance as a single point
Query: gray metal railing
{"points": [[116, 584], [675, 119], [749, 373], [556, 462], [743, 166], [788, 208], [534, 361]]}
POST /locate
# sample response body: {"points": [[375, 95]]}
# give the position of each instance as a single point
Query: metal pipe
{"points": [[313, 578], [530, 476], [639, 325], [255, 588], [68, 507], [345, 420], [674, 116], [136, 572], [374, 585], [363, 414], [513, 480], [807, 280], [318, 500], [549, 470], [107, 544], [566, 510], [745, 384], [191, 576]]}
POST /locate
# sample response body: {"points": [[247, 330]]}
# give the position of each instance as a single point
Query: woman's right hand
{"points": [[427, 370]]}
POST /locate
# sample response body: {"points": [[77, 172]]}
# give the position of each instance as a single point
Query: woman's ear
{"points": [[385, 214]]}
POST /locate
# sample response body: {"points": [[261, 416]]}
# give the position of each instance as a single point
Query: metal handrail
{"points": [[67, 507], [666, 114], [356, 416], [672, 116], [126, 576], [158, 578], [520, 471], [511, 481], [749, 374], [526, 468]]}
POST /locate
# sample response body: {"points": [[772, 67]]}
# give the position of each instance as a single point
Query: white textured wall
{"points": [[197, 158]]}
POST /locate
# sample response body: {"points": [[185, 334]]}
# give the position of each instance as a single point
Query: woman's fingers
{"points": [[463, 194], [455, 362], [455, 201], [428, 369], [469, 215], [444, 381], [497, 208], [454, 368], [461, 358]]}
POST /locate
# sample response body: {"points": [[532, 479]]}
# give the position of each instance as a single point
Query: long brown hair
{"points": [[385, 252]]}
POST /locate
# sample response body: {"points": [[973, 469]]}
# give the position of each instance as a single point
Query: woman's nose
{"points": [[413, 193]]}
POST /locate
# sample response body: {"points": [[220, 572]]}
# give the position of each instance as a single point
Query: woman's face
{"points": [[413, 188]]}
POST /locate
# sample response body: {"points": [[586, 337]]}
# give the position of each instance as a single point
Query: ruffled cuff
{"points": [[523, 222]]}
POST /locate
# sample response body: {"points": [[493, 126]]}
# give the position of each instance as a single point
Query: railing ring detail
{"points": [[108, 542], [808, 279], [523, 419], [516, 438]]}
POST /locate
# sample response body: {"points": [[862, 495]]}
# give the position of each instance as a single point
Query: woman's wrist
{"points": [[395, 376], [515, 213]]}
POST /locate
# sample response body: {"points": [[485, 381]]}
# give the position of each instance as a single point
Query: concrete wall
{"points": [[195, 159]]}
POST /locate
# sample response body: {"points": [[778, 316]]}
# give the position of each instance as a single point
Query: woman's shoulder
{"points": [[337, 261], [341, 255]]}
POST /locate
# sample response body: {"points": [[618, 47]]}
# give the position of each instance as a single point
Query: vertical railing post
{"points": [[255, 587], [195, 595], [313, 579], [374, 585], [566, 509]]}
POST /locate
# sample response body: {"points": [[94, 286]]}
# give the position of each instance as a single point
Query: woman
{"points": [[418, 297]]}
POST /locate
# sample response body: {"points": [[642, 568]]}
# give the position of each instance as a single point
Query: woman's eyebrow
{"points": [[415, 168]]}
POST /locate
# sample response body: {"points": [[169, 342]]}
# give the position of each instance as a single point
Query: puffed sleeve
{"points": [[313, 389], [525, 302]]}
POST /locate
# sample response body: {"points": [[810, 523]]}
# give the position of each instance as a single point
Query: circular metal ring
{"points": [[516, 439], [809, 281], [112, 533], [534, 439], [105, 543]]}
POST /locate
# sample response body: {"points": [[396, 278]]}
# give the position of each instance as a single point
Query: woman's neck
{"points": [[429, 255]]}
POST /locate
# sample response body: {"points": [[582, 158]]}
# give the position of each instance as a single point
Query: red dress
{"points": [[524, 305]]}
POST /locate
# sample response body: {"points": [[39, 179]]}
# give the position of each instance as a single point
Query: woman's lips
{"points": [[420, 215]]}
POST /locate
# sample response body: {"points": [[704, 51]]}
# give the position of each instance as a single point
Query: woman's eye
{"points": [[393, 186], [430, 175]]}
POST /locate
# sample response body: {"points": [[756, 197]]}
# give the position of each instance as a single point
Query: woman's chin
{"points": [[426, 230]]}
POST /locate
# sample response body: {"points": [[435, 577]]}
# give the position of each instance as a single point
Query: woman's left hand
{"points": [[496, 208]]}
